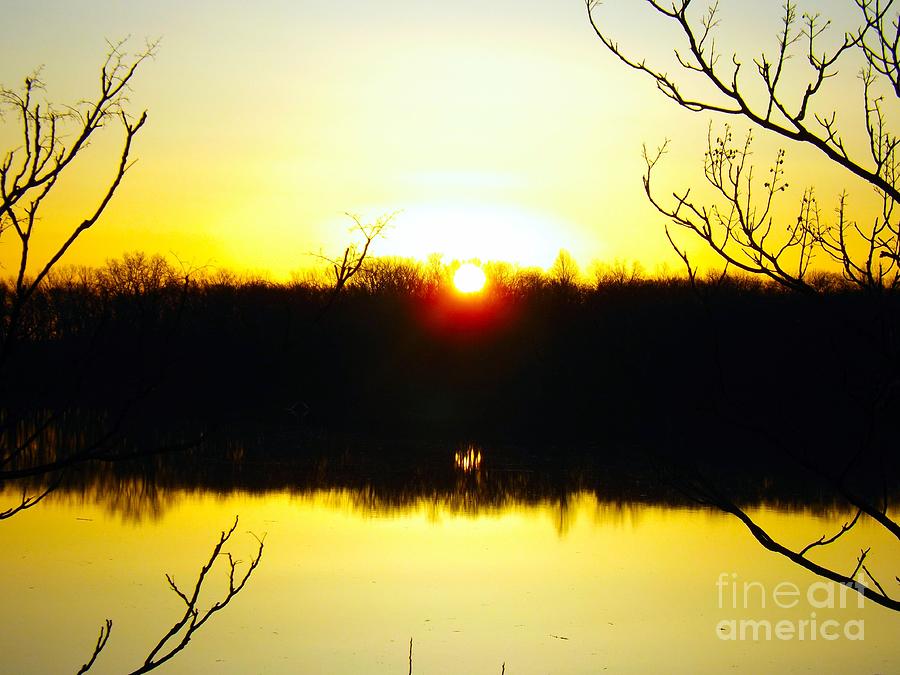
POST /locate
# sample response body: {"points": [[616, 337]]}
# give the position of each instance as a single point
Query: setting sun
{"points": [[469, 278]]}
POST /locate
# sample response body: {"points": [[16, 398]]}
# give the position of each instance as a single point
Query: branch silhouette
{"points": [[28, 173], [195, 617], [744, 232]]}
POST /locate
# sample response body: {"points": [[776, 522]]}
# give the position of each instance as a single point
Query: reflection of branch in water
{"points": [[193, 618], [705, 492], [101, 643], [45, 452], [822, 541], [29, 500]]}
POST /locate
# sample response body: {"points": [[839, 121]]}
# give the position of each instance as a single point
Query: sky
{"points": [[500, 130]]}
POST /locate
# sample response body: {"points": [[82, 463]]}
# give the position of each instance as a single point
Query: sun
{"points": [[469, 278]]}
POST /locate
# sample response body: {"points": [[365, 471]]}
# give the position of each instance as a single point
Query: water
{"points": [[572, 583]]}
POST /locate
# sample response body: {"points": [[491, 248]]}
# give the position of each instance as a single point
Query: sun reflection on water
{"points": [[468, 460]]}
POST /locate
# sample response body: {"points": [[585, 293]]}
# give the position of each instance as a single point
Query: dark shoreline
{"points": [[271, 386]]}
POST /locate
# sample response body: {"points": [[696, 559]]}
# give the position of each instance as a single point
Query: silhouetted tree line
{"points": [[537, 355]]}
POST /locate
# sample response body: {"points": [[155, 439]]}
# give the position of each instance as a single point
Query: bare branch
{"points": [[194, 618], [707, 493], [29, 172], [102, 639], [846, 527], [875, 37], [27, 501]]}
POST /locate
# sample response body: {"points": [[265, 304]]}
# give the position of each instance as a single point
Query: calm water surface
{"points": [[574, 585]]}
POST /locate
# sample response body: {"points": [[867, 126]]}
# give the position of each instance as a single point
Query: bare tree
{"points": [[744, 230], [349, 265], [393, 275], [52, 138], [564, 271], [744, 225]]}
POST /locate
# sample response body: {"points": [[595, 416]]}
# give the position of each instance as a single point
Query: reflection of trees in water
{"points": [[380, 480], [133, 498]]}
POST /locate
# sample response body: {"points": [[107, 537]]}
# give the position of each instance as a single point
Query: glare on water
{"points": [[569, 585]]}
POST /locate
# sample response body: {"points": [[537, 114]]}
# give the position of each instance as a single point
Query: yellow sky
{"points": [[499, 130]]}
